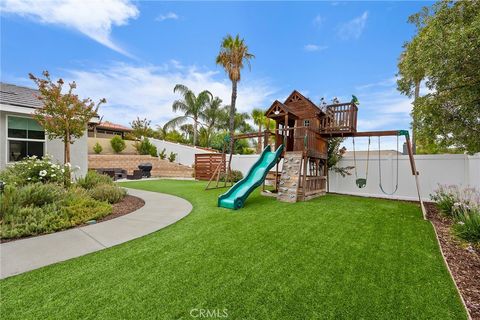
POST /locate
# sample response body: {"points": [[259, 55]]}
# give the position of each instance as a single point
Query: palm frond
{"points": [[179, 105], [175, 122]]}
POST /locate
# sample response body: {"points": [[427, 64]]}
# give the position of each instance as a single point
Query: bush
{"points": [[117, 143], [172, 156], [467, 226], [40, 194], [445, 197], [163, 154], [450, 198], [92, 179], [97, 148], [235, 176], [463, 206], [33, 170], [145, 147], [45, 208], [107, 192]]}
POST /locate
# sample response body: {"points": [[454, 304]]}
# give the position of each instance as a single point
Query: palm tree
{"points": [[211, 117], [162, 131], [192, 107], [233, 53], [258, 117], [187, 131], [241, 124]]}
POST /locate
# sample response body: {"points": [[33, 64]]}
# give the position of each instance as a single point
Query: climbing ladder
{"points": [[290, 178]]}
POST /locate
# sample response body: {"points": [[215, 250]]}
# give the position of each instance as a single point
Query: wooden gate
{"points": [[206, 163]]}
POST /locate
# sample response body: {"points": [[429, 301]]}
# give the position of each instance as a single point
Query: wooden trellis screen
{"points": [[206, 163]]}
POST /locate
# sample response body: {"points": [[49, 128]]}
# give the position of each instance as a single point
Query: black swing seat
{"points": [[361, 182]]}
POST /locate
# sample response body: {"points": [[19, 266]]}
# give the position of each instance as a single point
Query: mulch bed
{"points": [[127, 205], [463, 260]]}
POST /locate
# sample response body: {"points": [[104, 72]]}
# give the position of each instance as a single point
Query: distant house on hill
{"points": [[107, 129], [22, 136]]}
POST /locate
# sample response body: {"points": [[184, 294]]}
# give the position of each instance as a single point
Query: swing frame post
{"points": [[414, 169]]}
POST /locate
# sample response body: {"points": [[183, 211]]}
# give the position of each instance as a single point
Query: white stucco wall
{"points": [[185, 154]]}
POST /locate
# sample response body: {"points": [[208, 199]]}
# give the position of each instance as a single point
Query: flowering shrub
{"points": [[33, 169], [463, 206]]}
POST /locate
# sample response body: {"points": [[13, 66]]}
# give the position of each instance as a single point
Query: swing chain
{"points": [[361, 182], [380, 170]]}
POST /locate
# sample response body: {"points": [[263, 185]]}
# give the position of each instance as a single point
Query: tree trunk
{"points": [[417, 94], [195, 132], [259, 141], [232, 123], [66, 158]]}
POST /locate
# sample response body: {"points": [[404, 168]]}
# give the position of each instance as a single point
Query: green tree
{"points": [[259, 119], [63, 116], [233, 54], [187, 131], [444, 53], [335, 154], [211, 117], [141, 128], [240, 121], [162, 131], [192, 106]]}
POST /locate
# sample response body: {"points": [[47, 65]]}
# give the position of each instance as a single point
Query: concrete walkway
{"points": [[159, 211]]}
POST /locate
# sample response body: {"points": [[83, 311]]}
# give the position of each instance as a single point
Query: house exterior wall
{"points": [[78, 152]]}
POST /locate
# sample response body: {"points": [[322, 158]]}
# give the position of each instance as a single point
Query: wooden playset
{"points": [[302, 132]]}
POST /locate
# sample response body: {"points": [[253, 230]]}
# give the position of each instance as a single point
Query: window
{"points": [[306, 123], [25, 137]]}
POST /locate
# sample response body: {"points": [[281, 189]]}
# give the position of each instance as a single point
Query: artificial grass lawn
{"points": [[332, 257]]}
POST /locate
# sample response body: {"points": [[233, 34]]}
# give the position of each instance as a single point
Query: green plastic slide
{"points": [[239, 192]]}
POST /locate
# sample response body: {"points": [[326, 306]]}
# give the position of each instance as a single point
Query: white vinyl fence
{"points": [[447, 169], [185, 154], [456, 169]]}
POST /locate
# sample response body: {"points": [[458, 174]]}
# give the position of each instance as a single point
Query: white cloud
{"points": [[314, 47], [382, 107], [353, 29], [167, 16], [318, 21], [147, 91], [94, 19]]}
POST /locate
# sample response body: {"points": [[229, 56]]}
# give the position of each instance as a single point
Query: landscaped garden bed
{"points": [[39, 198], [455, 217]]}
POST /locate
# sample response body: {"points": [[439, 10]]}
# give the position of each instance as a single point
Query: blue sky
{"points": [[133, 53]]}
